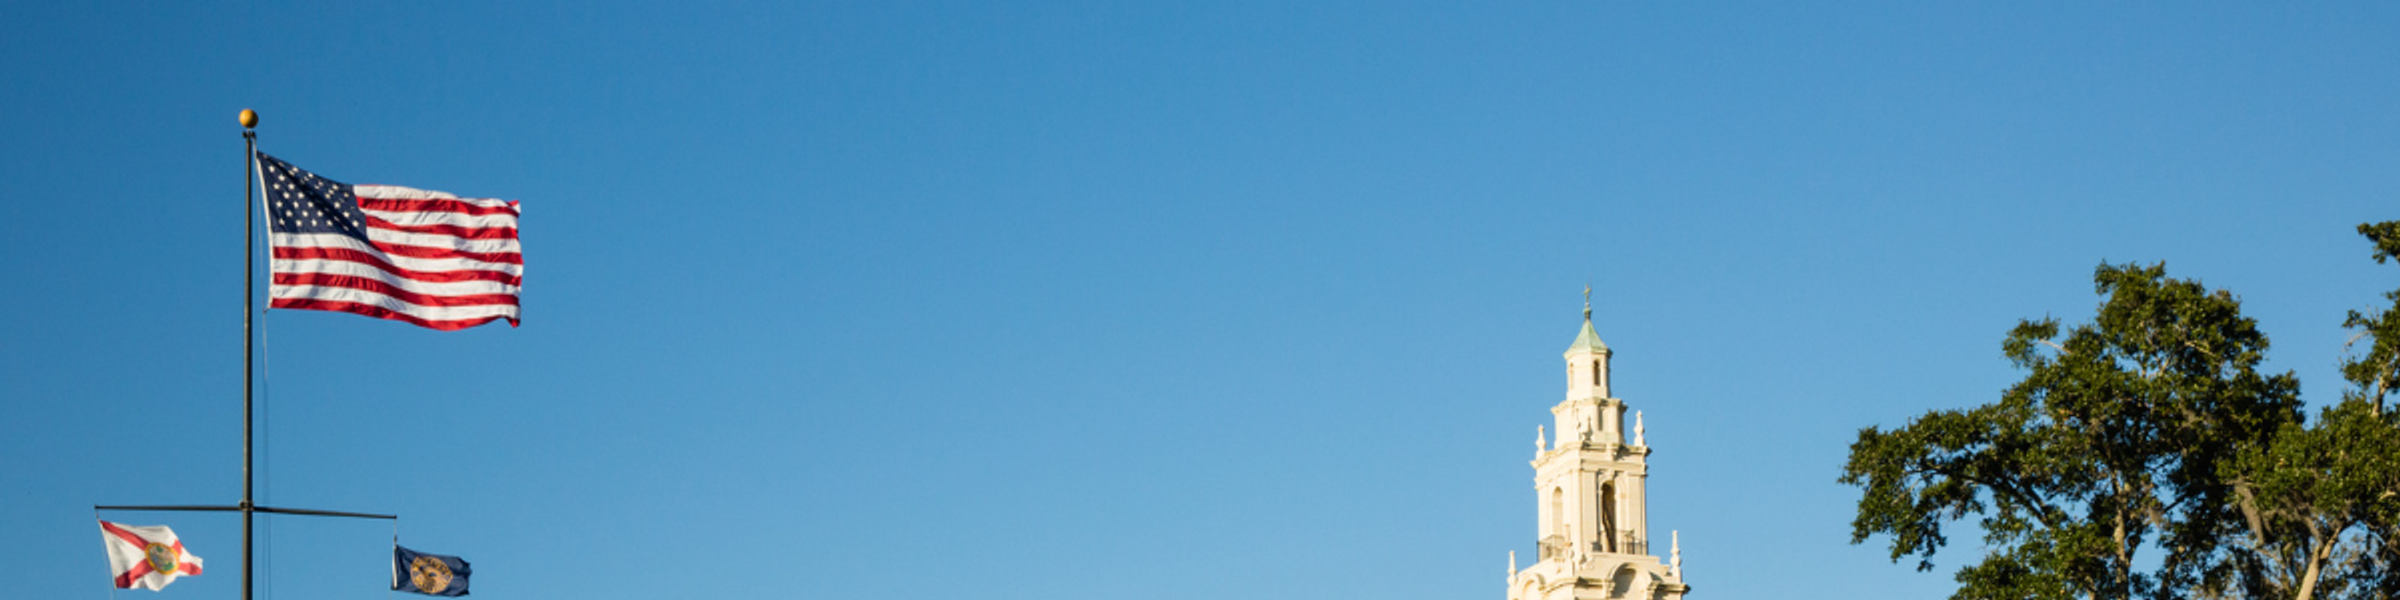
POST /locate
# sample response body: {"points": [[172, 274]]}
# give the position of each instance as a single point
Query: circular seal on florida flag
{"points": [[160, 556], [429, 574]]}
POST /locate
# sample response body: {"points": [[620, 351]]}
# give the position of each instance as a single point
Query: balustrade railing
{"points": [[1626, 544]]}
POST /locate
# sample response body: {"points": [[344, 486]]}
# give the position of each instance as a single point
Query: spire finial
{"points": [[1587, 302], [1675, 563]]}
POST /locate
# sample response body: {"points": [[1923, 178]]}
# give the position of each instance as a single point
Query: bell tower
{"points": [[1591, 490]]}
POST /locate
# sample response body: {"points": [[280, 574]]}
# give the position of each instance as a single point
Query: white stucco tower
{"points": [[1591, 489]]}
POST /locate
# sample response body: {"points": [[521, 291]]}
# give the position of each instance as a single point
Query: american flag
{"points": [[425, 257]]}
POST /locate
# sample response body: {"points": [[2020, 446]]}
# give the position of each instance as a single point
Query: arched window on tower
{"points": [[1558, 512], [1608, 517], [1595, 373]]}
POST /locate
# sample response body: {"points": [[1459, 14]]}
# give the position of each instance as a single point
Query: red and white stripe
{"points": [[129, 561], [436, 260]]}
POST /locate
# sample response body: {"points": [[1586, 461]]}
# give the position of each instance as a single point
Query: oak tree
{"points": [[2109, 447]]}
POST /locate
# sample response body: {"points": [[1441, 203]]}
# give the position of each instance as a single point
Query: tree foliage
{"points": [[2316, 510], [2321, 504], [2110, 442], [2150, 429], [2377, 373]]}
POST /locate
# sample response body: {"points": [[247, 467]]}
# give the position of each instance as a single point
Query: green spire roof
{"points": [[1588, 340]]}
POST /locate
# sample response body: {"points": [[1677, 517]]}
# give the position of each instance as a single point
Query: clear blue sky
{"points": [[1102, 300]]}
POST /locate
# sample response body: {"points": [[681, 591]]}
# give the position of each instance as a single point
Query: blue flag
{"points": [[428, 574]]}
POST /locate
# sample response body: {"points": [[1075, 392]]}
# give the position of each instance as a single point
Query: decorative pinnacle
{"points": [[1587, 302], [249, 118], [1675, 564]]}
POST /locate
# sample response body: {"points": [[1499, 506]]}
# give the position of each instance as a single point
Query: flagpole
{"points": [[249, 298], [250, 188]]}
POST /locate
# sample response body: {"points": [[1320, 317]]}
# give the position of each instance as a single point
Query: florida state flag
{"points": [[146, 557]]}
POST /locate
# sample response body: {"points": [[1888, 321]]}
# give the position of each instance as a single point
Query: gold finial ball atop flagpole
{"points": [[249, 118]]}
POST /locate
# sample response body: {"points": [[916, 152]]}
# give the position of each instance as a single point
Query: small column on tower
{"points": [[1674, 564]]}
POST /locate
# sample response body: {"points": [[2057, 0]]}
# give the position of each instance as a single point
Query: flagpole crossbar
{"points": [[238, 508], [323, 513], [183, 507]]}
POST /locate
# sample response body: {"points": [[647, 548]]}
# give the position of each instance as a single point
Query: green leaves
{"points": [[2320, 504], [2150, 429], [2314, 503], [2374, 375], [2110, 441]]}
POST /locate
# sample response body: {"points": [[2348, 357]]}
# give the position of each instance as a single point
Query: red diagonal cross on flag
{"points": [[147, 557]]}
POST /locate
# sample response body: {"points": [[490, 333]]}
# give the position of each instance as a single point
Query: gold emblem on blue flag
{"points": [[429, 574]]}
